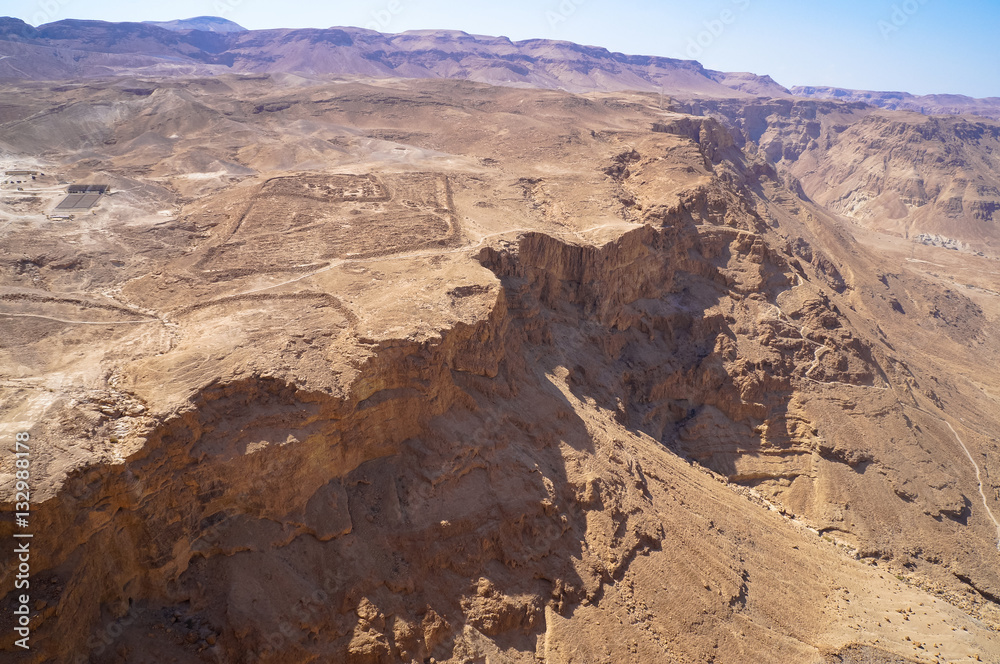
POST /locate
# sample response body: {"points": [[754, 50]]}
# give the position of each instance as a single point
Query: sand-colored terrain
{"points": [[395, 370]]}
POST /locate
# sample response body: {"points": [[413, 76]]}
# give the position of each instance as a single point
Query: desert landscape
{"points": [[455, 360]]}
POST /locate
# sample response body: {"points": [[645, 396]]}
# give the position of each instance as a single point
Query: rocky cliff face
{"points": [[609, 388]]}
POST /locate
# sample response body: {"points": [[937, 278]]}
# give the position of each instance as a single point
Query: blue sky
{"points": [[921, 46]]}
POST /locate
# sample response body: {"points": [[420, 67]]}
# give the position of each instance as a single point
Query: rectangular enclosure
{"points": [[78, 202], [88, 189]]}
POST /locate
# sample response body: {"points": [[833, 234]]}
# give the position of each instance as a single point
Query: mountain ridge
{"points": [[931, 104], [204, 23], [210, 45], [539, 63]]}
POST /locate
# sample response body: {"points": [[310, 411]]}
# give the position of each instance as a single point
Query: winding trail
{"points": [[82, 322], [820, 349], [979, 479], [979, 476]]}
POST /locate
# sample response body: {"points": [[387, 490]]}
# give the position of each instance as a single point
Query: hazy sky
{"points": [[921, 46]]}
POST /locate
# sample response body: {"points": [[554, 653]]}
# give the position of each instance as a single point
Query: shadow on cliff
{"points": [[270, 524], [460, 513]]}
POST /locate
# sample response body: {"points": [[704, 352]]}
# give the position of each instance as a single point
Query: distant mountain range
{"points": [[204, 23], [207, 45], [903, 101], [72, 49]]}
